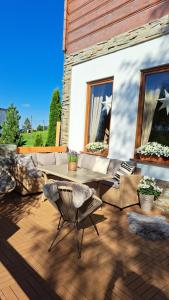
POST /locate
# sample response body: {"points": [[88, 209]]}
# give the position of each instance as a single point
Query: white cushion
{"points": [[101, 164], [45, 159], [94, 163], [61, 158]]}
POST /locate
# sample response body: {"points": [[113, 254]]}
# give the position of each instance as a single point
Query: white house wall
{"points": [[124, 66]]}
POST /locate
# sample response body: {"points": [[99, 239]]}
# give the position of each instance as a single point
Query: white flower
{"points": [[97, 146], [148, 185], [154, 149]]}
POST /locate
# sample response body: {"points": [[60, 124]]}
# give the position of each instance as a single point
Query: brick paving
{"points": [[116, 265]]}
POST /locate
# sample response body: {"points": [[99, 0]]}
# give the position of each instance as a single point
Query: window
{"points": [[153, 111], [98, 111]]}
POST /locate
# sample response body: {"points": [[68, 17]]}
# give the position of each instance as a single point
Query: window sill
{"points": [[149, 162]]}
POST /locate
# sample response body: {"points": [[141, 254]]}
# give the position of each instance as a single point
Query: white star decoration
{"points": [[165, 102], [107, 104]]}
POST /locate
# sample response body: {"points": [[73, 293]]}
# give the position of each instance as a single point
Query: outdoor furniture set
{"points": [[96, 180], [32, 171]]}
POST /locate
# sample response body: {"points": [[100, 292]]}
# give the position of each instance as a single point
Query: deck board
{"points": [[116, 265]]}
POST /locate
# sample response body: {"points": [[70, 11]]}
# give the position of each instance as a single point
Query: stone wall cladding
{"points": [[133, 37]]}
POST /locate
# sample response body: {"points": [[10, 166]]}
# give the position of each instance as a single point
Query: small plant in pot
{"points": [[72, 160], [148, 191]]}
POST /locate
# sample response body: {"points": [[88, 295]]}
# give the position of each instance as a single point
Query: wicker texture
{"points": [[26, 184], [126, 195]]}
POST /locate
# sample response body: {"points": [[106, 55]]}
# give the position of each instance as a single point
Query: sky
{"points": [[31, 56]]}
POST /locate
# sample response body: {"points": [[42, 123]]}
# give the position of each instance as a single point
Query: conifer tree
{"points": [[10, 127], [54, 117], [27, 125], [38, 140]]}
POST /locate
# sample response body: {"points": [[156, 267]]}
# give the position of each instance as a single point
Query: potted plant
{"points": [[153, 151], [97, 148], [72, 160], [148, 191]]}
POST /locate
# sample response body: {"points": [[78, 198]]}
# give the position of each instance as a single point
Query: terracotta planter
{"points": [[72, 166], [146, 202], [103, 152], [153, 158]]}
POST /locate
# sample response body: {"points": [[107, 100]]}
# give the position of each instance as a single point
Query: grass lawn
{"points": [[30, 137]]}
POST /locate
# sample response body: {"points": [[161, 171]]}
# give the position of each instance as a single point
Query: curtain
{"points": [[150, 103], [95, 112]]}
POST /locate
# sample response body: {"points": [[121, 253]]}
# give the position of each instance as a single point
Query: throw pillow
{"points": [[125, 169], [101, 165]]}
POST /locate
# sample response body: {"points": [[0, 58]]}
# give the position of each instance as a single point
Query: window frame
{"points": [[90, 84], [144, 73]]}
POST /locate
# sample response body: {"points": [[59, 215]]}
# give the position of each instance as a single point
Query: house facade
{"points": [[116, 77]]}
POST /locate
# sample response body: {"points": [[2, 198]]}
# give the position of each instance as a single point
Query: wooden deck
{"points": [[116, 265]]}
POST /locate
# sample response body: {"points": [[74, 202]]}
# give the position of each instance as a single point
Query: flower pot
{"points": [[146, 201], [72, 166], [152, 158], [103, 152]]}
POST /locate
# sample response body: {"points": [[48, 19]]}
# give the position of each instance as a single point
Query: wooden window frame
{"points": [[144, 73], [90, 84]]}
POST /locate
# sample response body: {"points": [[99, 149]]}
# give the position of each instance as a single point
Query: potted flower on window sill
{"points": [[153, 151], [148, 191], [72, 160], [97, 148]]}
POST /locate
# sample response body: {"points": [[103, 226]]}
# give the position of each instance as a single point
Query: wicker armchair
{"points": [[26, 182], [126, 195]]}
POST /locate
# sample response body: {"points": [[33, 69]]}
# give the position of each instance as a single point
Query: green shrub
{"points": [[10, 127], [38, 140]]}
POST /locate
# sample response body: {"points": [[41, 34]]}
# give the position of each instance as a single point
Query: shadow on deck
{"points": [[117, 265]]}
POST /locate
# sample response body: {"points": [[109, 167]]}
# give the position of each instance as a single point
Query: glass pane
{"points": [[155, 126], [100, 112]]}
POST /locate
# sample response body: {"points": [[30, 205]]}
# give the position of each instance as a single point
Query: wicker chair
{"points": [[71, 215], [125, 196]]}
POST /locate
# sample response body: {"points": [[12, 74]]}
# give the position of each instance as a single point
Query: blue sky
{"points": [[31, 57]]}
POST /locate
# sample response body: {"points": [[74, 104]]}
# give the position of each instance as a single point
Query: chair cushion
{"points": [[61, 158], [94, 163], [125, 169], [46, 159]]}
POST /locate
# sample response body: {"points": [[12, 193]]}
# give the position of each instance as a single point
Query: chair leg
{"points": [[94, 225], [58, 229], [79, 244], [59, 223]]}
